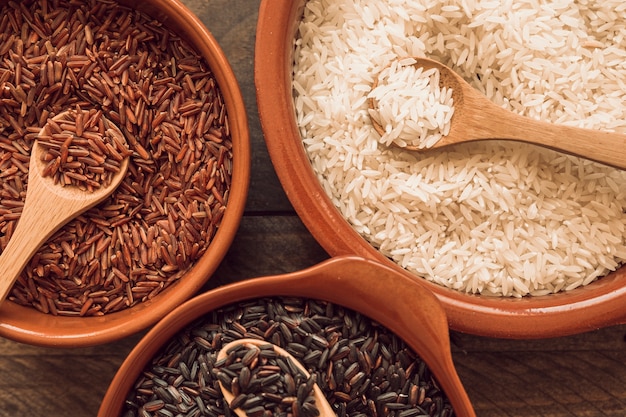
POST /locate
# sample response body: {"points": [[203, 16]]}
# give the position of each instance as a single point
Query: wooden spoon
{"points": [[320, 400], [47, 207], [478, 118]]}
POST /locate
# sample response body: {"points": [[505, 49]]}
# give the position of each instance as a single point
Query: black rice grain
{"points": [[393, 382]]}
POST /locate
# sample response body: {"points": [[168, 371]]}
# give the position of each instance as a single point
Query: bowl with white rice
{"points": [[516, 240]]}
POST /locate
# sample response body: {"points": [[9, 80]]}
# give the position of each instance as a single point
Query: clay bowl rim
{"points": [[599, 304], [27, 325], [363, 293]]}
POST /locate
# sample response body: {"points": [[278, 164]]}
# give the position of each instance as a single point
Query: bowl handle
{"points": [[406, 308]]}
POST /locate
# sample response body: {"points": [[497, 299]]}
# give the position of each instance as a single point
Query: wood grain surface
{"points": [[582, 375]]}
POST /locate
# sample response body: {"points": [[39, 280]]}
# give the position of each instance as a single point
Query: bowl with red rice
{"points": [[156, 72]]}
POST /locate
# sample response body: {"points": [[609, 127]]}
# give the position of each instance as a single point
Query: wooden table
{"points": [[583, 375]]}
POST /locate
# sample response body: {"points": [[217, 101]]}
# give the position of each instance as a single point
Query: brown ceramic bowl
{"points": [[28, 325], [377, 291], [602, 303]]}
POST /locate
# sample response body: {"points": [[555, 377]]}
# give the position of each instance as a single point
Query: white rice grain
{"points": [[410, 106], [501, 219]]}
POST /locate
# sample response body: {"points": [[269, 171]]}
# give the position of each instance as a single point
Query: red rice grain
{"points": [[111, 60]]}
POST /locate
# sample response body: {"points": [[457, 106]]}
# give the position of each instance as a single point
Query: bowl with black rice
{"points": [[372, 340]]}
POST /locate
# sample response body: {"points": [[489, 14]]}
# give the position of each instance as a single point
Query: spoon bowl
{"points": [[476, 118], [48, 206], [325, 410]]}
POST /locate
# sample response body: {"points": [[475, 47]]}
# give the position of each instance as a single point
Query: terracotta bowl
{"points": [[602, 303], [405, 308], [28, 325]]}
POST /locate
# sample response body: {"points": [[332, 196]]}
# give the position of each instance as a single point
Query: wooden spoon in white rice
{"points": [[419, 104]]}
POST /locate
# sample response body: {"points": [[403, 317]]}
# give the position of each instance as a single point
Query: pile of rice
{"points": [[410, 106], [496, 218]]}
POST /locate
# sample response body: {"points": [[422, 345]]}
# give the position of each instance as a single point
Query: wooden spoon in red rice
{"points": [[322, 405], [49, 203], [475, 117]]}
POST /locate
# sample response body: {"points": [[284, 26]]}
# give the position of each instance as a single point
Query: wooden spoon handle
{"points": [[601, 146], [493, 122], [35, 226], [43, 214]]}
